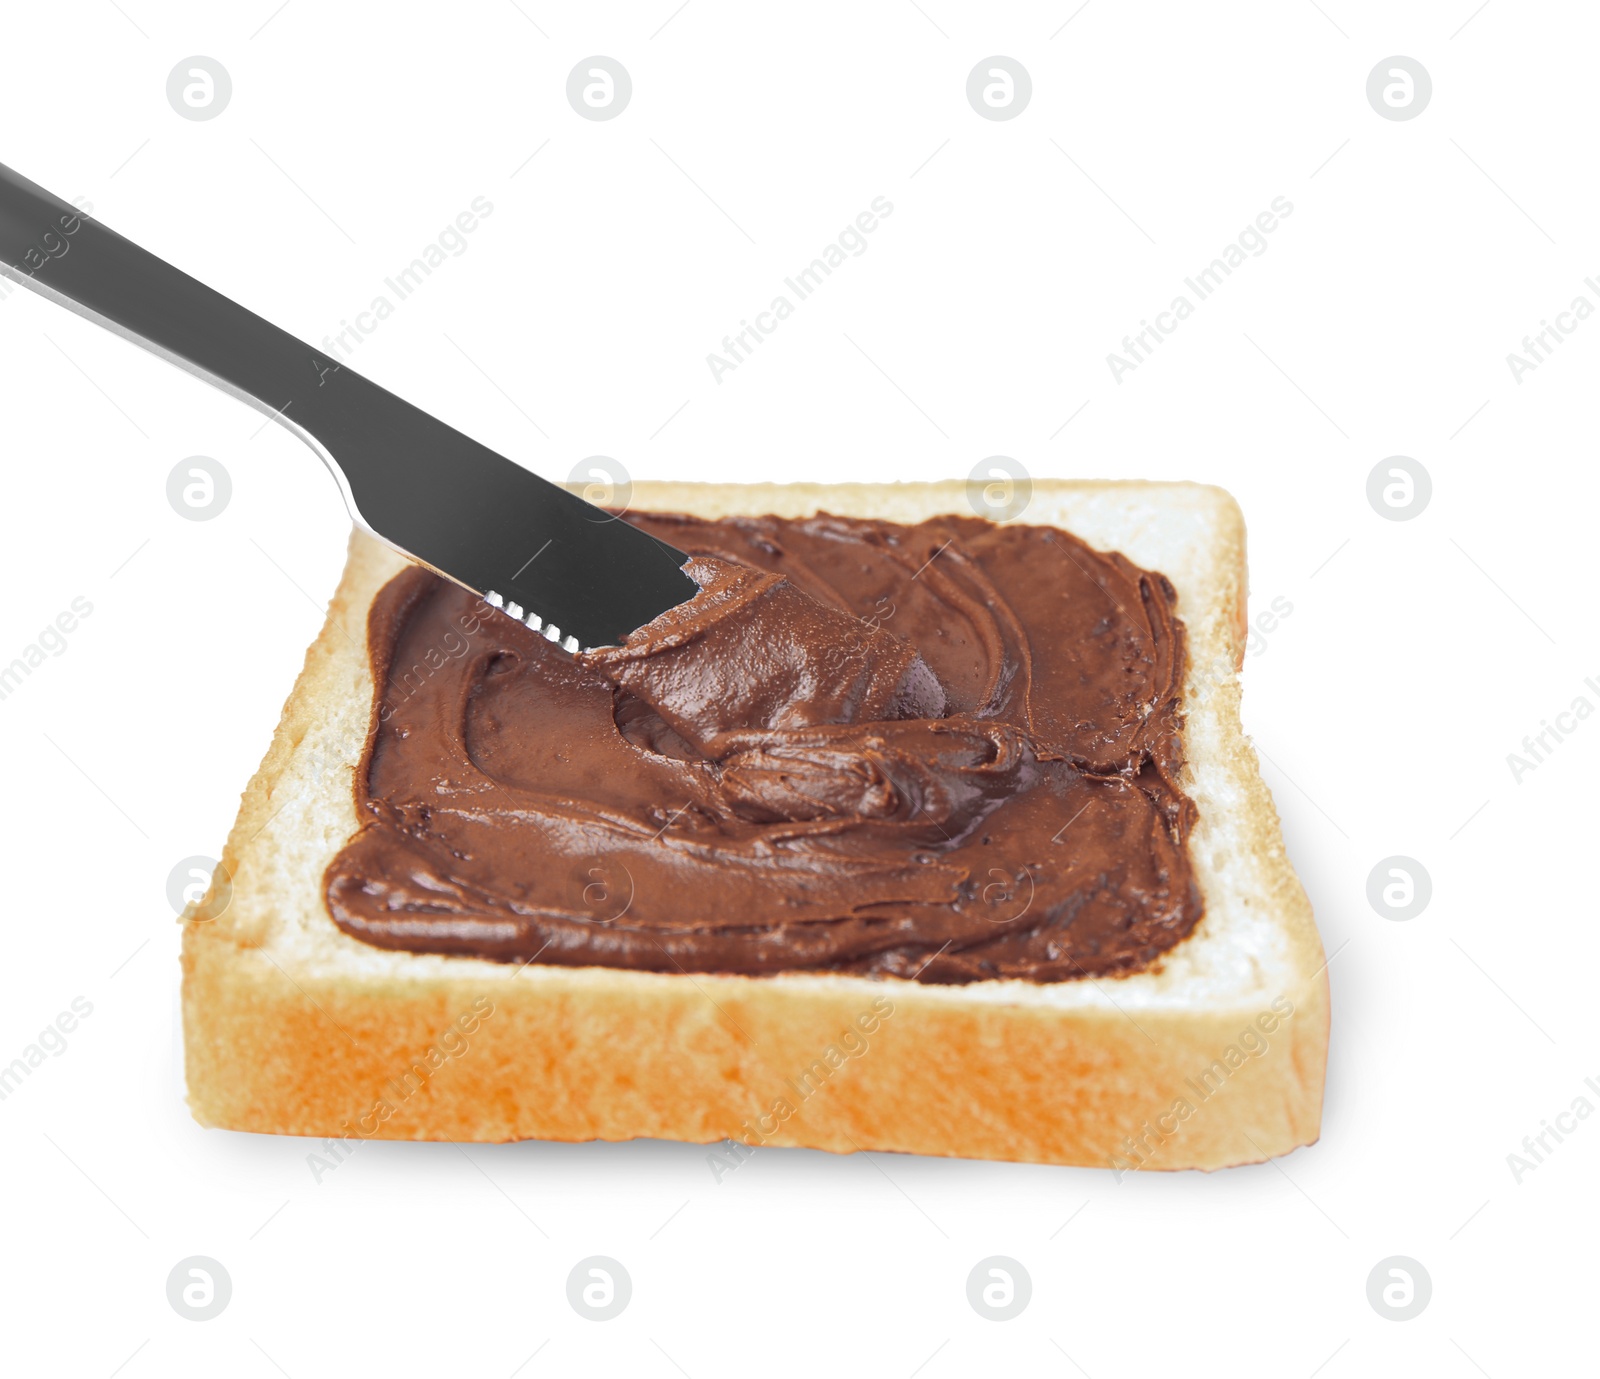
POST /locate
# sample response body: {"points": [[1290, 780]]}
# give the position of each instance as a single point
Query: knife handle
{"points": [[54, 248]]}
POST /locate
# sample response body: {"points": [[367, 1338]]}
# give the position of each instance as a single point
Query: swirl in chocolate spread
{"points": [[947, 752]]}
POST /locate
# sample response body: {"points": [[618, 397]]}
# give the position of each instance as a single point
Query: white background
{"points": [[1019, 253]]}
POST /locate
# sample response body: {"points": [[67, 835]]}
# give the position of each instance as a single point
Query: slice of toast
{"points": [[1214, 1056]]}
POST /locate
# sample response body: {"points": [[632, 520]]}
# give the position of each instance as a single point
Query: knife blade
{"points": [[578, 574]]}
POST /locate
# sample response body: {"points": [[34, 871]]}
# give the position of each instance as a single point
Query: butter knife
{"points": [[579, 575]]}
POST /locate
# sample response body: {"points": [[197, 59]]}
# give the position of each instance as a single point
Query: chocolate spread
{"points": [[946, 752]]}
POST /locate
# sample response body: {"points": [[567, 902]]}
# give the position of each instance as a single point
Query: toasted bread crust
{"points": [[292, 1027]]}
